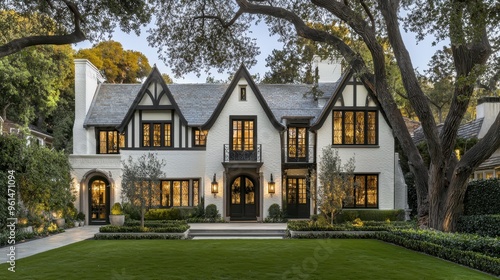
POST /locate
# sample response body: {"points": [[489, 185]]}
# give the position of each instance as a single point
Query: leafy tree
{"points": [[141, 181], [119, 65], [63, 22], [336, 183], [197, 35], [167, 78]]}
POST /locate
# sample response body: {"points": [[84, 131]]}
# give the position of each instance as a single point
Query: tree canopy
{"points": [[119, 65]]}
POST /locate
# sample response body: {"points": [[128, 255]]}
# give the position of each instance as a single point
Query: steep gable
{"points": [[242, 73]]}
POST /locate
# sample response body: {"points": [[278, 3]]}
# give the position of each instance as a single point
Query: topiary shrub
{"points": [[117, 209], [274, 211], [485, 225], [211, 212], [482, 197], [131, 212]]}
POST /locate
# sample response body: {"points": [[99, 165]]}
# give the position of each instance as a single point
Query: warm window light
{"points": [[215, 186], [271, 186]]}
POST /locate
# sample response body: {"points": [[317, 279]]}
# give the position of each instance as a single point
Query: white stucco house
{"points": [[258, 143]]}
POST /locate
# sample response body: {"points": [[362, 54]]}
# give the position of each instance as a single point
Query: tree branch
{"points": [[75, 37], [221, 20]]}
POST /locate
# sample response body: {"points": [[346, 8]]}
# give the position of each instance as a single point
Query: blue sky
{"points": [[421, 53]]}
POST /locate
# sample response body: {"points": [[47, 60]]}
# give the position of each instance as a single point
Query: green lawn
{"points": [[235, 259]]}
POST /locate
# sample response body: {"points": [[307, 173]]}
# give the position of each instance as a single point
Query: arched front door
{"points": [[98, 200], [243, 198]]}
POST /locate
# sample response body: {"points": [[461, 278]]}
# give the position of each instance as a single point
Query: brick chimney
{"points": [[487, 108]]}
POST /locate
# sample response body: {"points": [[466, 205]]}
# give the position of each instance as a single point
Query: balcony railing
{"points": [[232, 155], [309, 158]]}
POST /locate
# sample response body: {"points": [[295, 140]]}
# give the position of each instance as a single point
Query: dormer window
{"points": [[243, 93], [200, 138], [109, 141]]}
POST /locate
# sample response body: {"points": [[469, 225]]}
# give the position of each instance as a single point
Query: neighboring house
{"points": [[240, 146], [487, 110], [37, 135]]}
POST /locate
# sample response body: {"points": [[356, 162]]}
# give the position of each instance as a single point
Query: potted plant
{"points": [[117, 218], [80, 217], [57, 217]]}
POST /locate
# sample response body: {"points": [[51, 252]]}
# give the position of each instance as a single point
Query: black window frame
{"points": [[365, 205], [204, 133], [191, 193], [306, 137], [231, 131], [118, 136], [163, 134], [365, 127]]}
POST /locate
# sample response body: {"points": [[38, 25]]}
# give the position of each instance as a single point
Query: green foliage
{"points": [[482, 197], [364, 226], [131, 212], [155, 223], [336, 182], [164, 229], [80, 216], [211, 212], [432, 245], [119, 65], [125, 236], [163, 214], [274, 212], [486, 225], [371, 215], [200, 209], [116, 209]]}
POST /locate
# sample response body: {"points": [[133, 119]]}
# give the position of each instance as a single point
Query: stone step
{"points": [[238, 233]]}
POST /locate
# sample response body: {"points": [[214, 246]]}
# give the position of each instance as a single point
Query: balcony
{"points": [[248, 156], [309, 158]]}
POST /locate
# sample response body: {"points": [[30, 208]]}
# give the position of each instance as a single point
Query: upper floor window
{"points": [[242, 135], [365, 192], [200, 138], [297, 143], [110, 141], [243, 93], [355, 127], [156, 134]]}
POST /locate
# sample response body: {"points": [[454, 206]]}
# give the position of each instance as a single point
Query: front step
{"points": [[236, 233]]}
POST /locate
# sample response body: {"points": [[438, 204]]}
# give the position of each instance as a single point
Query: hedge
{"points": [[150, 224], [349, 215], [163, 214], [367, 226], [124, 229], [119, 236], [468, 258], [482, 197], [486, 225]]}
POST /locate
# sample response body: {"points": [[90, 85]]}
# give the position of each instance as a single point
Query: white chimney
{"points": [[87, 79], [329, 71], [487, 108]]}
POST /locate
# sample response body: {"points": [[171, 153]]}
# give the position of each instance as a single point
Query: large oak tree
{"points": [[195, 35]]}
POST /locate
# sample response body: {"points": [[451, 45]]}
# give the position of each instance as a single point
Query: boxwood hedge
{"points": [[482, 197]]}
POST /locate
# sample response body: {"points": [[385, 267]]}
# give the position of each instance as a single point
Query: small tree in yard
{"points": [[337, 183], [141, 181]]}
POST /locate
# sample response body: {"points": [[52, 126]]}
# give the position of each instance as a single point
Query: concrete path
{"points": [[36, 246]]}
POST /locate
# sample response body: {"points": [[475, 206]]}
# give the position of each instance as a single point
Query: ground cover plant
{"points": [[236, 259]]}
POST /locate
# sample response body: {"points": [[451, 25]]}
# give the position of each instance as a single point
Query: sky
{"points": [[420, 52]]}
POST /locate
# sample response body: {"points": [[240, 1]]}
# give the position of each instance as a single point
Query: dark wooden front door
{"points": [[98, 201], [297, 198], [243, 195]]}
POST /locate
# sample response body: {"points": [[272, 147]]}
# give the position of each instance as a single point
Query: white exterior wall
{"points": [[87, 79], [267, 136]]}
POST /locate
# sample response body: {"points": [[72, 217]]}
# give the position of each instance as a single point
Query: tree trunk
{"points": [[143, 213]]}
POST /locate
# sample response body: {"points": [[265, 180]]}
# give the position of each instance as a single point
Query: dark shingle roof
{"points": [[467, 131], [490, 163], [111, 104], [197, 102]]}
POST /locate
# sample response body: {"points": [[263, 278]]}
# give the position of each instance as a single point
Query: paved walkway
{"points": [[36, 246]]}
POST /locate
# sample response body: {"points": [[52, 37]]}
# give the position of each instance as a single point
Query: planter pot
{"points": [[82, 223], [117, 220], [60, 222]]}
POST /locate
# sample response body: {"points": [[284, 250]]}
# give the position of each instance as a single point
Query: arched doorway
{"points": [[243, 198], [99, 194]]}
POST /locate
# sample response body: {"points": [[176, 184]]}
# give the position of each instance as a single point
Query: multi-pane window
{"points": [[110, 142], [297, 143], [296, 191], [364, 194], [354, 127], [179, 193], [156, 135], [242, 135], [200, 137]]}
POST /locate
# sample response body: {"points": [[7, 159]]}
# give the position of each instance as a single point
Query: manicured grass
{"points": [[235, 259]]}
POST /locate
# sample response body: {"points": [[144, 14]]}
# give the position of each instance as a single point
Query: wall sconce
{"points": [[271, 186], [215, 186]]}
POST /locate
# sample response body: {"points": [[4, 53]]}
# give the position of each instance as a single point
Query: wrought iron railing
{"points": [[235, 155], [308, 158]]}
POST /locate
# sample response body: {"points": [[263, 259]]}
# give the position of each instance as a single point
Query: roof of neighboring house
{"points": [[490, 163], [33, 129], [197, 102], [467, 130]]}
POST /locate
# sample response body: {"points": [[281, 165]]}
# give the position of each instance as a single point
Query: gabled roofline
{"points": [[242, 73], [155, 75], [331, 103]]}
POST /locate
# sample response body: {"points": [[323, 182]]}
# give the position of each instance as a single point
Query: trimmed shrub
{"points": [[367, 226], [211, 212], [163, 214], [486, 225], [348, 215], [116, 209], [172, 228], [204, 220], [468, 258], [155, 223], [120, 236], [187, 212], [482, 197], [274, 211], [131, 212]]}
